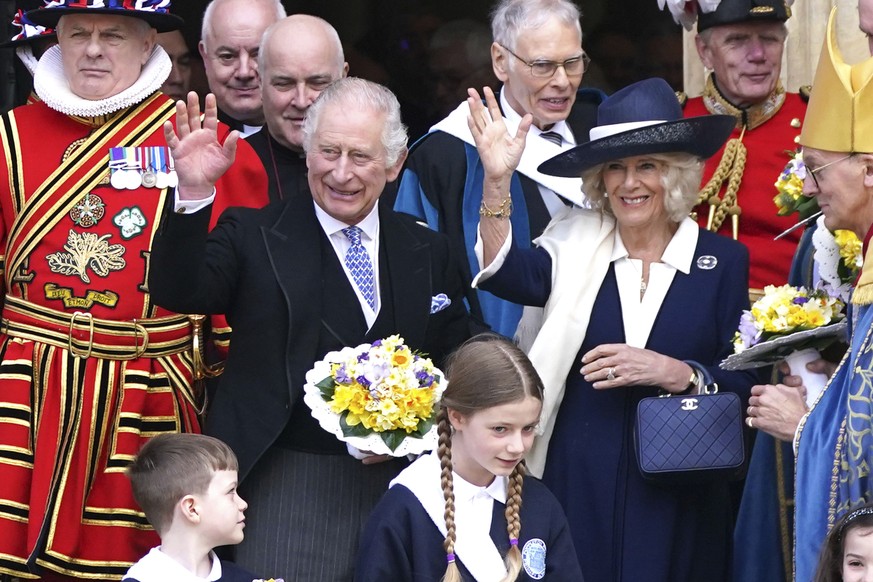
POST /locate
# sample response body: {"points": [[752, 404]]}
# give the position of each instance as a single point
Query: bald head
{"points": [[294, 73]]}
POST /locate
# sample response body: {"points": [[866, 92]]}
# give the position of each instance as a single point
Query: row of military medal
{"points": [[149, 167]]}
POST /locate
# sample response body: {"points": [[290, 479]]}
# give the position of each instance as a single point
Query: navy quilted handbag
{"points": [[692, 438]]}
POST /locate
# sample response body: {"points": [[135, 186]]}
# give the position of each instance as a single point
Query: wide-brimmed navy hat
{"points": [[155, 12], [643, 118]]}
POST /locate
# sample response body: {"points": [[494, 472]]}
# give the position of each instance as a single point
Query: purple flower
{"points": [[800, 300], [364, 357], [378, 370], [748, 332], [362, 380], [424, 379], [377, 343], [342, 375]]}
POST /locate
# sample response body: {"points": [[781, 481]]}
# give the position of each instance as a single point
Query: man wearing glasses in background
{"points": [[537, 55]]}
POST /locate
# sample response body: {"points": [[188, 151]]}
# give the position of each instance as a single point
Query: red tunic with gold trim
{"points": [[90, 367], [769, 141]]}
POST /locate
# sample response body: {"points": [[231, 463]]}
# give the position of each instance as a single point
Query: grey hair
{"points": [[510, 17], [680, 179], [329, 32], [355, 93], [206, 27]]}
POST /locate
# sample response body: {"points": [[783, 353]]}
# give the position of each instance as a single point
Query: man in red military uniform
{"points": [[90, 367], [742, 42]]}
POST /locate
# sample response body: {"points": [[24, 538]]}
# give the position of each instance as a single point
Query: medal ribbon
{"points": [[79, 174]]}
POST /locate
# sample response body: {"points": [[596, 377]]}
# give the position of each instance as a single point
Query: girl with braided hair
{"points": [[467, 511]]}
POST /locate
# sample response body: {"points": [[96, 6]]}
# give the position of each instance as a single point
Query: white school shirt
{"points": [[156, 566]]}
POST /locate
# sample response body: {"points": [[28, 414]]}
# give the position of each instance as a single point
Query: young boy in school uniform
{"points": [[186, 485]]}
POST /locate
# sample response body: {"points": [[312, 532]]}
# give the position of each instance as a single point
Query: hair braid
{"points": [[445, 453], [513, 521]]}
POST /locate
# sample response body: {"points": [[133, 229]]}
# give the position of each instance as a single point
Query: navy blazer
{"points": [[402, 544], [265, 269]]}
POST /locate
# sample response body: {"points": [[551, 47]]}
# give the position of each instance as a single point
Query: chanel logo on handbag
{"points": [[674, 446]]}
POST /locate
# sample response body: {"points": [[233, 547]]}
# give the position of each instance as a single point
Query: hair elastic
{"points": [[450, 558], [513, 541]]}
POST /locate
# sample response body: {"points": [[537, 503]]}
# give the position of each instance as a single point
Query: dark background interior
{"points": [[387, 41]]}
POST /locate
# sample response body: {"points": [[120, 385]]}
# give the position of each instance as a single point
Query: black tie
{"points": [[553, 137]]}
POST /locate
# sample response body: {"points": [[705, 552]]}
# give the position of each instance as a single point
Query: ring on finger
{"points": [[749, 420], [610, 374]]}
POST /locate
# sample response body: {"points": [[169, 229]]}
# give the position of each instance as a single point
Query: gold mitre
{"points": [[840, 113]]}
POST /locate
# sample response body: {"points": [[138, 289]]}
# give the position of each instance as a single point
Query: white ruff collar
{"points": [[51, 85]]}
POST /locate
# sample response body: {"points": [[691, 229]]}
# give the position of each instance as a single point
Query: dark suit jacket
{"points": [[276, 276]]}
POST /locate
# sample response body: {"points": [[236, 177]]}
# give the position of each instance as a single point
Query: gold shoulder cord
{"points": [[733, 162], [729, 169]]}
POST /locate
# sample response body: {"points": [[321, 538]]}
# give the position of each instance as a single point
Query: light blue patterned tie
{"points": [[360, 266]]}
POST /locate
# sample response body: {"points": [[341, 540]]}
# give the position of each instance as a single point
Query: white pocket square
{"points": [[439, 302]]}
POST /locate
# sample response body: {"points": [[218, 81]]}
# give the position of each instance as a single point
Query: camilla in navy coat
{"points": [[636, 298]]}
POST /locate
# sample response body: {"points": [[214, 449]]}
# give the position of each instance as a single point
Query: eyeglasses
{"points": [[572, 67], [811, 172]]}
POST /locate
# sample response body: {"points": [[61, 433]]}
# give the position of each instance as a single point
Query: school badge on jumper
{"points": [[533, 558], [88, 212]]}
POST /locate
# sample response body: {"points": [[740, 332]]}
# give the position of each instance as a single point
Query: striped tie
{"points": [[553, 137], [360, 266]]}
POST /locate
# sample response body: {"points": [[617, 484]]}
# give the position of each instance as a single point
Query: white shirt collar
{"points": [[369, 225], [679, 252], [465, 491], [560, 127], [156, 566]]}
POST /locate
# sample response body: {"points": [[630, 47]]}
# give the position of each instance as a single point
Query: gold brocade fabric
{"points": [[863, 294], [96, 121], [749, 117]]}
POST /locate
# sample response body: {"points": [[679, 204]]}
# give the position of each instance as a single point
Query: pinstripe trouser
{"points": [[306, 513]]}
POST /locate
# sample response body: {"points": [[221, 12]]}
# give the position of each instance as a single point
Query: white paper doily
{"points": [[775, 350]]}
